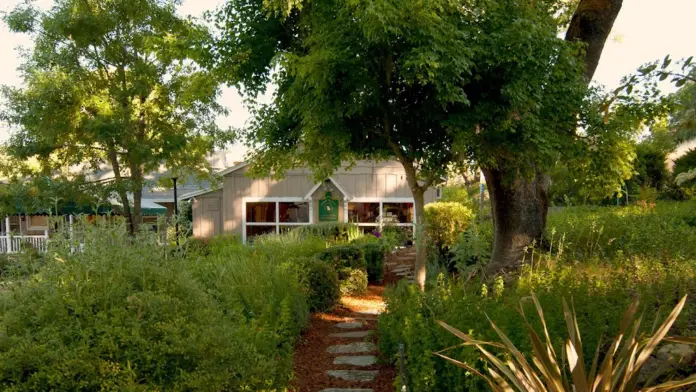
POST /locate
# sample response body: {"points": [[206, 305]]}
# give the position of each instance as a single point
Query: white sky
{"points": [[645, 30]]}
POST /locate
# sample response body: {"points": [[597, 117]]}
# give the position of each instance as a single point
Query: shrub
{"points": [[374, 257], [600, 295], [685, 162], [445, 221], [353, 281], [344, 256], [332, 232], [319, 282], [132, 315], [281, 247]]}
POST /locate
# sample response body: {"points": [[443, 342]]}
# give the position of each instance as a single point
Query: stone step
{"points": [[349, 325], [346, 390], [352, 334], [402, 268], [405, 273], [350, 348], [357, 360], [354, 375], [369, 312]]}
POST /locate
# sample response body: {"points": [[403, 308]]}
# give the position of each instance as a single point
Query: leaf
{"points": [[666, 62]]}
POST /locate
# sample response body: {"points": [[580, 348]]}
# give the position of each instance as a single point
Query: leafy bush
{"points": [[374, 257], [344, 256], [319, 282], [332, 232], [596, 233], [281, 247], [685, 162], [353, 281], [445, 221], [600, 295], [132, 315]]}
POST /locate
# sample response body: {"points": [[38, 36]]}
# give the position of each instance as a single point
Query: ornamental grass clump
{"points": [[618, 371]]}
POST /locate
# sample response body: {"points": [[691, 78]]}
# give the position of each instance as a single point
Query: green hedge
{"points": [[319, 282], [135, 316], [374, 258], [344, 256]]}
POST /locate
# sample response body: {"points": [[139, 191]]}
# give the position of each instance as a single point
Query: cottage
{"points": [[369, 194]]}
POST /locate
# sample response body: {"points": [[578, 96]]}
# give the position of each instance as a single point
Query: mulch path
{"points": [[312, 361]]}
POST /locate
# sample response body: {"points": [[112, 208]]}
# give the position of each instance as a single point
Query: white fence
{"points": [[16, 243]]}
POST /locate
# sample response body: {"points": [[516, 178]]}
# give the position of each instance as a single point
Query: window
{"points": [[438, 193], [365, 213], [398, 212], [371, 215], [37, 222], [274, 216], [260, 212]]}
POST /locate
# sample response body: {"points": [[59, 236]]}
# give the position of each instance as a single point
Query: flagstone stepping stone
{"points": [[404, 273], [349, 325], [359, 347], [354, 375], [352, 334], [369, 312], [358, 360], [346, 390]]}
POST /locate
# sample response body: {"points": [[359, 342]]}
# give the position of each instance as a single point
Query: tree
{"points": [[428, 84], [115, 84]]}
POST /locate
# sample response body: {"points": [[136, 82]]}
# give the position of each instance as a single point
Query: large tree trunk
{"points": [[419, 237], [591, 24], [519, 206]]}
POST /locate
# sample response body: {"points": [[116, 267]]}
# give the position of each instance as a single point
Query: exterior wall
{"points": [[382, 180], [207, 212]]}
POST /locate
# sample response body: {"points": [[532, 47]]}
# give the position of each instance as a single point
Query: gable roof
{"points": [[346, 194]]}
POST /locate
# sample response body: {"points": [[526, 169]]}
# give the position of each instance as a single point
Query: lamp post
{"points": [[176, 212]]}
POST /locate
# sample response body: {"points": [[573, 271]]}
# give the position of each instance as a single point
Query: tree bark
{"points": [[591, 24], [419, 237], [519, 206]]}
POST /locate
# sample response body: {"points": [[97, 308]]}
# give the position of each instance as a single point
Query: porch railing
{"points": [[16, 243]]}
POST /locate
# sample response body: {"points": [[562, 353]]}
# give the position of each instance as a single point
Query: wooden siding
{"points": [[364, 179]]}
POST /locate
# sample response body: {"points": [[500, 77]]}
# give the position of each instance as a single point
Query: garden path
{"points": [[338, 352]]}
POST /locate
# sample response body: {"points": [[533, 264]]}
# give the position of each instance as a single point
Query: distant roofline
{"points": [[229, 170]]}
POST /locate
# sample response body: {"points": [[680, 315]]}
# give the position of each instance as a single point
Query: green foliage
{"points": [[466, 196], [374, 257], [685, 163], [353, 281], [600, 257], [332, 232], [446, 221], [650, 167], [115, 84], [344, 256], [319, 282], [130, 314]]}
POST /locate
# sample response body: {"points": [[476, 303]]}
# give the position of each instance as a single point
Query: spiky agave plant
{"points": [[618, 371]]}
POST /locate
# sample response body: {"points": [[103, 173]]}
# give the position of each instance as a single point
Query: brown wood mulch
{"points": [[312, 360]]}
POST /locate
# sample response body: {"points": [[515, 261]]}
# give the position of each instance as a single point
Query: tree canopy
{"points": [[113, 84]]}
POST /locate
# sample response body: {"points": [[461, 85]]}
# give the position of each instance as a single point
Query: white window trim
{"points": [[31, 227], [277, 222], [382, 201]]}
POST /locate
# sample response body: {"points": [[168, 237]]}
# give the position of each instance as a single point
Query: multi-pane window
{"points": [[264, 217], [376, 214]]}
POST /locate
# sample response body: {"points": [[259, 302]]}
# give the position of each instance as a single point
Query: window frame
{"points": [[277, 223], [382, 201]]}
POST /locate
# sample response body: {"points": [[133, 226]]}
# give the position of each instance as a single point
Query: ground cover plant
{"points": [[600, 258], [130, 314]]}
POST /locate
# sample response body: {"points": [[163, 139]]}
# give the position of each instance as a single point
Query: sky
{"points": [[645, 30]]}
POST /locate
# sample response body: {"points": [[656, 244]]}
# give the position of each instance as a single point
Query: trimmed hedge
{"points": [[319, 282], [344, 256]]}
